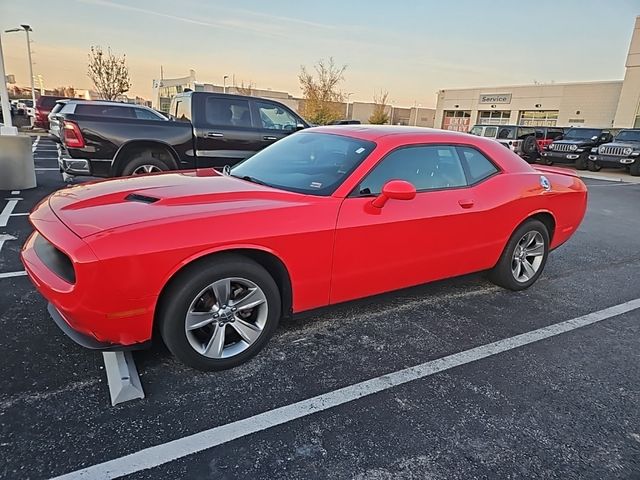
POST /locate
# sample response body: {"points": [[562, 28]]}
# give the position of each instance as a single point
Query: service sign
{"points": [[495, 98]]}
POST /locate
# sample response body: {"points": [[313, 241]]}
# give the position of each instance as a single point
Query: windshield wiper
{"points": [[251, 179]]}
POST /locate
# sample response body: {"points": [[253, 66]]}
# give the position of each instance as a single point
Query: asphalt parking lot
{"points": [[563, 407]]}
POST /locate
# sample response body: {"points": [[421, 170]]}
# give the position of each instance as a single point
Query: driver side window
{"points": [[274, 117], [426, 167]]}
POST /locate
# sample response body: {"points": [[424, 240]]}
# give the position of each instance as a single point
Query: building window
{"points": [[539, 118], [456, 120], [494, 117]]}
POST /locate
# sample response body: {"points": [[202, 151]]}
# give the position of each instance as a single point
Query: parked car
{"points": [[523, 140], [575, 146], [12, 110], [211, 261], [55, 120], [43, 107], [24, 106], [208, 130], [622, 152]]}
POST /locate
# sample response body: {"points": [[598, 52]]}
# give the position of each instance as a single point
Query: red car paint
{"points": [[334, 248]]}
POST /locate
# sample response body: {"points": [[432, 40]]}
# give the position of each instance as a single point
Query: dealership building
{"points": [[584, 104]]}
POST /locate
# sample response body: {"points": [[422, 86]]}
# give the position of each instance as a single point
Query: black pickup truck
{"points": [[204, 130]]}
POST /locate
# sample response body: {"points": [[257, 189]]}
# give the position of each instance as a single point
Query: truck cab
{"points": [[229, 128]]}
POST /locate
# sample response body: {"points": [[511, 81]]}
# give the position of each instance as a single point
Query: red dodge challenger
{"points": [[211, 261]]}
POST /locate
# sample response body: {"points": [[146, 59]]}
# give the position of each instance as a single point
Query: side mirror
{"points": [[396, 190], [300, 126]]}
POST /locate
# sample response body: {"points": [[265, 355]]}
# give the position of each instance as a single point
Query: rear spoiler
{"points": [[561, 171]]}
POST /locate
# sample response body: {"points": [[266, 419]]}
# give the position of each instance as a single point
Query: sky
{"points": [[410, 48]]}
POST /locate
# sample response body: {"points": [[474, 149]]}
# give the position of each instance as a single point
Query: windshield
{"points": [[476, 131], [306, 162], [581, 133], [628, 136]]}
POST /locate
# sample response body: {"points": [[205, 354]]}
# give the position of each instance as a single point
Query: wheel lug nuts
{"points": [[224, 306], [215, 315], [233, 309], [221, 324]]}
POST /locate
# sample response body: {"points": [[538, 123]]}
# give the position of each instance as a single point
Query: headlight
{"points": [[573, 148], [551, 147], [601, 149], [627, 151]]}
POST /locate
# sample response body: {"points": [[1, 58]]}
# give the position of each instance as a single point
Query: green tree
{"points": [[322, 98], [380, 104]]}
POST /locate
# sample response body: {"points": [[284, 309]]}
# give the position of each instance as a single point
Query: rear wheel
{"points": [[524, 257], [144, 164], [593, 166], [581, 162], [219, 313]]}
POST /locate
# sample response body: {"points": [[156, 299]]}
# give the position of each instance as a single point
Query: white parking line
{"points": [[160, 454], [35, 144], [13, 274], [8, 210]]}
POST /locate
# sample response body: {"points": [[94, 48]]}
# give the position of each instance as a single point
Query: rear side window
{"points": [[116, 111], [491, 132], [182, 111], [227, 112], [478, 166], [142, 114]]}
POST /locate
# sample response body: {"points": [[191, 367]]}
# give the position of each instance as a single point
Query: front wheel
{"points": [[634, 169], [581, 162], [524, 257], [593, 166], [219, 313]]}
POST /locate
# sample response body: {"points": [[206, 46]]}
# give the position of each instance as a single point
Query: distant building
{"points": [[165, 89], [584, 104]]}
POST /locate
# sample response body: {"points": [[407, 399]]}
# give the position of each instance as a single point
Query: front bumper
{"points": [[561, 157], [613, 161], [90, 305]]}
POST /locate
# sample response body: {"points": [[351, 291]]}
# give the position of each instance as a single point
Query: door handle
{"points": [[466, 203], [214, 135], [269, 137]]}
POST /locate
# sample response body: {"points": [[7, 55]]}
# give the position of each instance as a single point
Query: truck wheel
{"points": [[144, 164], [582, 162], [593, 166], [529, 145], [634, 169]]}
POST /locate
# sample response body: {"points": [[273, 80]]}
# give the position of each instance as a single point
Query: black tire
{"points": [[529, 145], [502, 274], [140, 161], [178, 297], [593, 166], [634, 169], [582, 162]]}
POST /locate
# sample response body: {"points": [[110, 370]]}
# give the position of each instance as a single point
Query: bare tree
{"points": [[109, 73], [246, 89], [320, 91], [380, 104]]}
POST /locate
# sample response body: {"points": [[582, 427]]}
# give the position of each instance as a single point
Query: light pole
{"points": [[28, 29], [224, 83], [4, 96], [391, 116], [346, 113]]}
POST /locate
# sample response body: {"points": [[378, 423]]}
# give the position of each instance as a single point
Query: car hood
{"points": [[96, 207], [574, 142], [622, 144]]}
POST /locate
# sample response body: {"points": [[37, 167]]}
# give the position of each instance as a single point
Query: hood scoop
{"points": [[136, 197]]}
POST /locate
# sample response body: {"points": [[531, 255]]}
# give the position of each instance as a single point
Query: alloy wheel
{"points": [[527, 256], [144, 169], [226, 317]]}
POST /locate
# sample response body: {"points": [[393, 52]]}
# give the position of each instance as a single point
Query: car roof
{"points": [[375, 132]]}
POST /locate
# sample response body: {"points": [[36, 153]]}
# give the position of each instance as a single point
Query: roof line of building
{"points": [[531, 85]]}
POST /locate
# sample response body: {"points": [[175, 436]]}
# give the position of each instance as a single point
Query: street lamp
{"points": [[27, 29], [224, 83], [4, 99], [346, 114]]}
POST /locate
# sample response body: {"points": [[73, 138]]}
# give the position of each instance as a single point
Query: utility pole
{"points": [[27, 29], [4, 98]]}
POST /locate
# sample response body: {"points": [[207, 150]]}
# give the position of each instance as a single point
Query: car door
{"points": [[275, 121], [438, 234], [224, 131]]}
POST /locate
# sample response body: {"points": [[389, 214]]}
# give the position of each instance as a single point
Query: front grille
{"points": [[562, 147], [617, 151], [54, 259]]}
